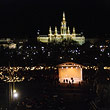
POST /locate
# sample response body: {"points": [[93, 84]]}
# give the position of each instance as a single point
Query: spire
{"points": [[74, 33], [63, 25], [73, 30], [50, 31], [68, 31], [55, 30], [63, 16]]}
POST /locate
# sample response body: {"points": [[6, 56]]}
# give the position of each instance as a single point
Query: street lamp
{"points": [[15, 94]]}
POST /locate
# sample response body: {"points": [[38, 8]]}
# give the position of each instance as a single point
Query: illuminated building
{"points": [[64, 34], [70, 72]]}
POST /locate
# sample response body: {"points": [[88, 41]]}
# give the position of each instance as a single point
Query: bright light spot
{"points": [[71, 58], [102, 50], [60, 57], [95, 58], [76, 51], [14, 91], [101, 46], [48, 53], [91, 46], [15, 95], [27, 55]]}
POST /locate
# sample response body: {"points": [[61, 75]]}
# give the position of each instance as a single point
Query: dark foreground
{"points": [[41, 95]]}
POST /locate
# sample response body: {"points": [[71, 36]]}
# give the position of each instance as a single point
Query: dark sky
{"points": [[20, 17]]}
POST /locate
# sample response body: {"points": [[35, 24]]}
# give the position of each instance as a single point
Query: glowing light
{"points": [[48, 53], [60, 57], [102, 50], [101, 46], [67, 74], [95, 58], [15, 95], [71, 58], [14, 91]]}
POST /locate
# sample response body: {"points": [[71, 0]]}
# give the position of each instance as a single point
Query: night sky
{"points": [[25, 17]]}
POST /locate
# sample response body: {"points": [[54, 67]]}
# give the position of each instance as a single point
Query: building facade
{"points": [[64, 34]]}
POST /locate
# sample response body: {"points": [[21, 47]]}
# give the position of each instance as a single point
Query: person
{"points": [[67, 80], [69, 84], [64, 80], [72, 81], [79, 84]]}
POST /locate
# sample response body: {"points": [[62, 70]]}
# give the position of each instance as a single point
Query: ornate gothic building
{"points": [[64, 34]]}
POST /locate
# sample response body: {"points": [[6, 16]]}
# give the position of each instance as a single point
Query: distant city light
{"points": [[102, 50], [60, 57], [48, 53], [95, 58], [71, 58]]}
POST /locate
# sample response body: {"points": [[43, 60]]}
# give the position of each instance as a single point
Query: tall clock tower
{"points": [[63, 25]]}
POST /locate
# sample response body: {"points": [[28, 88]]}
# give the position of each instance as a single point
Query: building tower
{"points": [[74, 33], [63, 25], [50, 33], [56, 31], [68, 31]]}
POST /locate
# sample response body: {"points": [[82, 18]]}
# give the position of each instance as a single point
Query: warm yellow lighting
{"points": [[70, 74], [14, 91], [64, 34]]}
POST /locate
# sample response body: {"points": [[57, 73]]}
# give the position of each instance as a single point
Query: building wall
{"points": [[79, 40], [43, 39]]}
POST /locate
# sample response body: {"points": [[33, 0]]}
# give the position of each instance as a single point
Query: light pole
{"points": [[13, 95], [11, 78]]}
